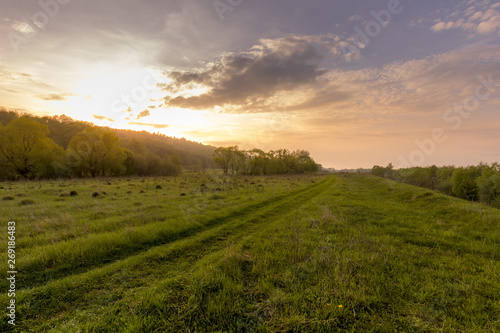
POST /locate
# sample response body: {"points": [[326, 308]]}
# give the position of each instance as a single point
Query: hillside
{"points": [[148, 153], [344, 253]]}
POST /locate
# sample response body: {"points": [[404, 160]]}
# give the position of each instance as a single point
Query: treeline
{"points": [[473, 183], [257, 162], [52, 147]]}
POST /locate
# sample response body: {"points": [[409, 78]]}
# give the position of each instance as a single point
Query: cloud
{"points": [[55, 97], [355, 18], [147, 124], [423, 86], [287, 76], [247, 80], [23, 28], [477, 17], [143, 114], [98, 117], [24, 79], [489, 26]]}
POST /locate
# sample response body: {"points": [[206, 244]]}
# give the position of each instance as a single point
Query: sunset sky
{"points": [[355, 82]]}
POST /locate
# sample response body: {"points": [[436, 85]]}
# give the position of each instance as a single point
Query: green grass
{"points": [[307, 254]]}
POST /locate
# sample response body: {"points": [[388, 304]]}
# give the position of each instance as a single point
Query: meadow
{"points": [[213, 253]]}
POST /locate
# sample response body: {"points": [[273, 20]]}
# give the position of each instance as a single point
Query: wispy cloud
{"points": [[98, 117], [159, 126], [55, 97]]}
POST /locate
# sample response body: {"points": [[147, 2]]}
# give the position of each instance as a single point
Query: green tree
{"points": [[171, 166], [464, 184], [443, 179], [489, 187], [303, 162], [238, 161], [257, 162], [96, 152], [7, 116], [223, 157], [28, 151], [129, 162], [378, 171]]}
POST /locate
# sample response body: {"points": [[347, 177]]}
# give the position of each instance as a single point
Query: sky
{"points": [[357, 83]]}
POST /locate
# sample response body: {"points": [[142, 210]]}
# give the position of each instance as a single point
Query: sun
{"points": [[134, 100], [115, 95]]}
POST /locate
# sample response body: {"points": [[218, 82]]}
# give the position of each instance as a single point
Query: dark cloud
{"points": [[246, 80], [146, 124]]}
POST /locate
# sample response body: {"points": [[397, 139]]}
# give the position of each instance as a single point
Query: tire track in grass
{"points": [[85, 253], [62, 295]]}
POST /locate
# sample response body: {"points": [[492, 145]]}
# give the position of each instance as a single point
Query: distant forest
{"points": [[59, 147], [473, 183], [51, 147]]}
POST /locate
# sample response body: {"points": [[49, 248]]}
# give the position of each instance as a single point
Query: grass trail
{"points": [[73, 287]]}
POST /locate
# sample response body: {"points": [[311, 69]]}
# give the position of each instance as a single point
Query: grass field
{"points": [[206, 253]]}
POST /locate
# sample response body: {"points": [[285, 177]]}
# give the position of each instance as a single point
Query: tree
{"points": [[96, 152], [443, 179], [238, 161], [26, 149], [304, 162], [223, 156], [7, 116], [257, 162], [129, 162], [464, 184], [489, 187], [171, 166]]}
